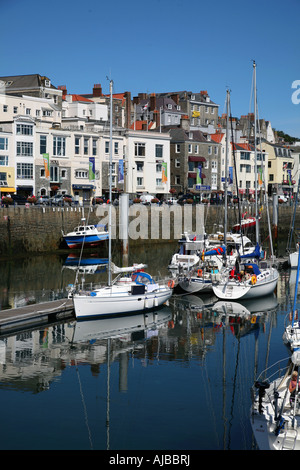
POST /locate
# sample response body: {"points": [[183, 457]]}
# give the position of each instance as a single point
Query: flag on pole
{"points": [[289, 177], [199, 175], [260, 181], [121, 171], [91, 168], [164, 176], [46, 165]]}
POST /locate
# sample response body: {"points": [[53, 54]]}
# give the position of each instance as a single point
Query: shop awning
{"points": [[196, 159], [82, 186], [7, 189]]}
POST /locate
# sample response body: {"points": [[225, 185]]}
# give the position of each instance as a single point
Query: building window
{"points": [[106, 146], [159, 151], [77, 145], [139, 166], [63, 173], [59, 146], [139, 181], [3, 160], [3, 179], [86, 146], [25, 149], [5, 108], [177, 163], [24, 129], [158, 182], [3, 143], [54, 174], [209, 150], [177, 148], [81, 174], [25, 171], [94, 147], [158, 168], [116, 145], [177, 179], [139, 149], [15, 109], [28, 111], [43, 144], [42, 174]]}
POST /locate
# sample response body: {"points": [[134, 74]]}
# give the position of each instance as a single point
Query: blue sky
{"points": [[160, 46]]}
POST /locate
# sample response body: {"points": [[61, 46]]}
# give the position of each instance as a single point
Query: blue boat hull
{"points": [[88, 240]]}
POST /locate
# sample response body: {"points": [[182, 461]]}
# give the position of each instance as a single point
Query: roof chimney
{"points": [[64, 89], [97, 90]]}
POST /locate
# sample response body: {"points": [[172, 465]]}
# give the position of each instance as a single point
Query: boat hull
{"points": [[234, 290], [74, 241], [195, 284], [108, 302]]}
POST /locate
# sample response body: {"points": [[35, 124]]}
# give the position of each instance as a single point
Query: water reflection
{"points": [[179, 377]]}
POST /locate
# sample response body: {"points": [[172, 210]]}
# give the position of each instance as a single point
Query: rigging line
{"points": [[233, 394], [84, 406]]}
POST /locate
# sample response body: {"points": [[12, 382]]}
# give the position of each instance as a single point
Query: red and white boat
{"points": [[245, 223]]}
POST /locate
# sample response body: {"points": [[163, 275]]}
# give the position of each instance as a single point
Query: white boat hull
{"points": [[117, 300], [195, 284], [232, 289]]}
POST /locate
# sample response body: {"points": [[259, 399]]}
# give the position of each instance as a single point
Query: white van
{"points": [[146, 198]]}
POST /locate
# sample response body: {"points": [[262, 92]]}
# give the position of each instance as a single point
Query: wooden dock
{"points": [[34, 315]]}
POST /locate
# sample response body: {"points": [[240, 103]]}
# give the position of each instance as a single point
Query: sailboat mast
{"points": [[255, 152], [110, 184], [226, 165]]}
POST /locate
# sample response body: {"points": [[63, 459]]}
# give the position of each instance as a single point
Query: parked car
{"points": [[61, 200], [18, 199], [44, 200]]}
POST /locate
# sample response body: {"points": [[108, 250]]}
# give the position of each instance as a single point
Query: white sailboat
{"points": [[131, 291], [254, 279], [291, 335], [275, 412]]}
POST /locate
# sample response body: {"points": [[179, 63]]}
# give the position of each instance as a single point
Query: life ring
{"points": [[253, 279], [220, 237], [199, 273], [171, 284]]}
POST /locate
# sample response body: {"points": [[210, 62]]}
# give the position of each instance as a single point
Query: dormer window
{"points": [[193, 97], [47, 83]]}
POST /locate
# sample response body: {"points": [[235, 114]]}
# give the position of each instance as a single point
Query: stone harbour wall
{"points": [[39, 229]]}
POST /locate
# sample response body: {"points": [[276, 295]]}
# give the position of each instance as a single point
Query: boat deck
{"points": [[36, 314]]}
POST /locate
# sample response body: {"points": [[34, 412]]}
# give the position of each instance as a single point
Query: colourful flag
{"points": [[196, 114], [46, 165], [289, 177], [91, 168], [121, 172], [199, 175], [260, 181], [164, 176]]}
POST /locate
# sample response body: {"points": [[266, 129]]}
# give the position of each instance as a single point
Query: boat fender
{"points": [[253, 279], [93, 294], [199, 273], [247, 276], [171, 284]]}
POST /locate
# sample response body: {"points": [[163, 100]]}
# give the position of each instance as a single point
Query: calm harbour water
{"points": [[176, 379]]}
